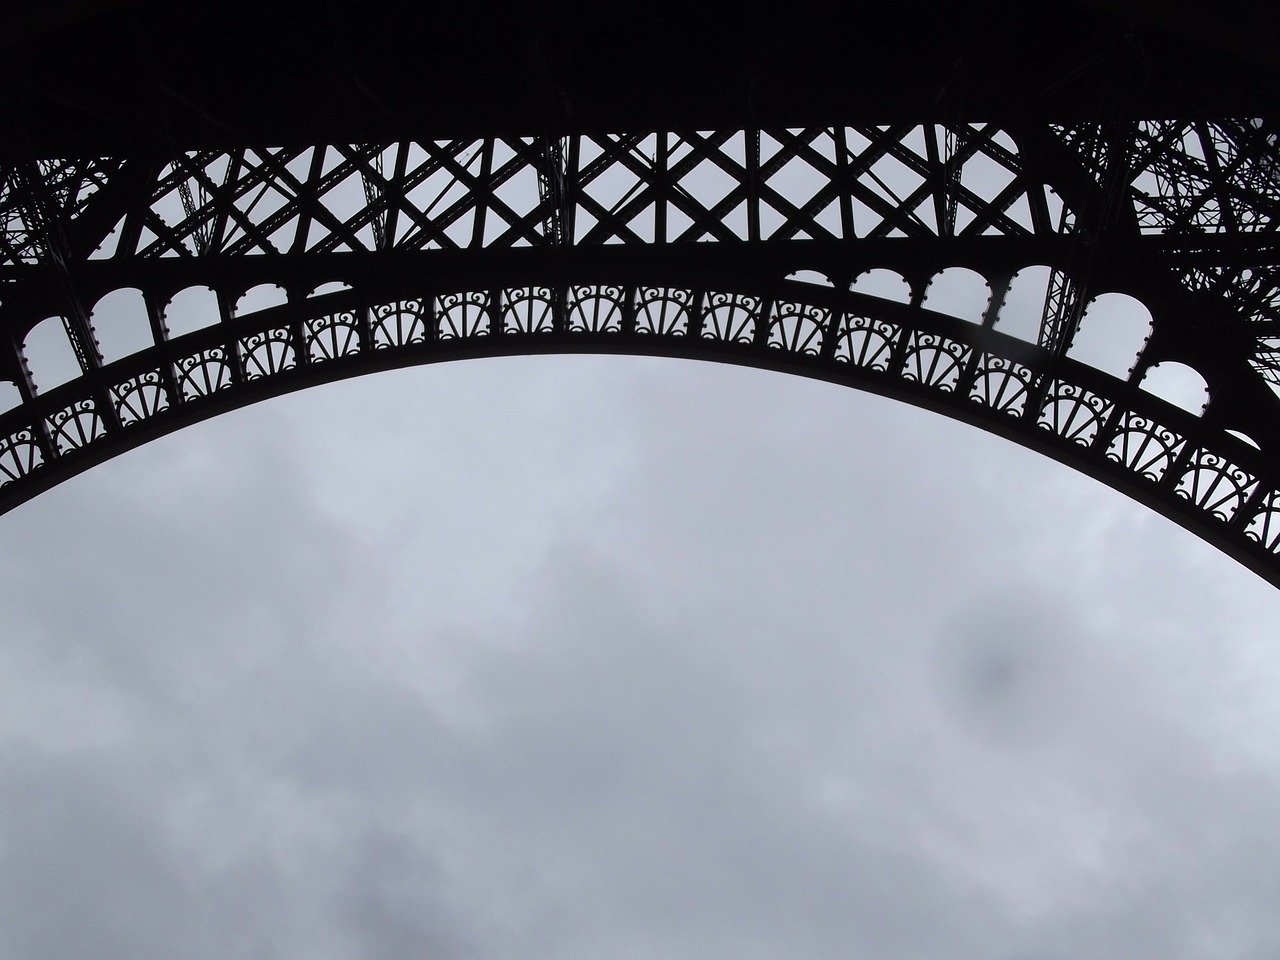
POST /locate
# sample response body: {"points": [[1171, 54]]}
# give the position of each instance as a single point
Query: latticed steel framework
{"points": [[820, 250]]}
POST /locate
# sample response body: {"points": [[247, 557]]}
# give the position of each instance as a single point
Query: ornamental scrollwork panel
{"points": [[664, 311], [76, 426], [267, 353], [934, 361], [1215, 484], [19, 455], [731, 317], [204, 373], [1003, 385], [400, 324], [1264, 526], [528, 310], [1073, 412], [332, 336], [798, 327], [461, 315], [866, 342], [140, 398], [595, 309], [1144, 446]]}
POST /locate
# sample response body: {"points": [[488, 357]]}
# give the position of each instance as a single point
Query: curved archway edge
{"points": [[327, 260], [1203, 478]]}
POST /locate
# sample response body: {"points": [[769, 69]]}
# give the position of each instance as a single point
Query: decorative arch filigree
{"points": [[682, 243]]}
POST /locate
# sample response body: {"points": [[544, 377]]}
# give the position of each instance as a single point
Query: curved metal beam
{"points": [[1212, 483], [680, 243]]}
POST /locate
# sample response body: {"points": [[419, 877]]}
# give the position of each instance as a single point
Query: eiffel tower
{"points": [[207, 204]]}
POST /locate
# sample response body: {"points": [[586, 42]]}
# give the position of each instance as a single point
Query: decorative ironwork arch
{"points": [[681, 243]]}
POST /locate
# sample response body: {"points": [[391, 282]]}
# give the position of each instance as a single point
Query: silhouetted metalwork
{"points": [[809, 249]]}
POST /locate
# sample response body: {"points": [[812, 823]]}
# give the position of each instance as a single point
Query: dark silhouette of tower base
{"points": [[206, 204]]}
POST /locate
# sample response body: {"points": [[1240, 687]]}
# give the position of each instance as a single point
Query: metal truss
{"points": [[742, 246]]}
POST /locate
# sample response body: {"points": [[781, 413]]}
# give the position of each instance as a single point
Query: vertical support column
{"points": [[395, 193], [44, 216], [552, 190], [1107, 151], [841, 136], [306, 209], [898, 355], [946, 163], [27, 393], [1064, 298], [375, 197], [764, 322], [481, 202], [160, 332], [969, 375], [661, 187], [226, 313]]}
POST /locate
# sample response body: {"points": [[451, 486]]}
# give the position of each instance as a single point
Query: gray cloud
{"points": [[578, 659]]}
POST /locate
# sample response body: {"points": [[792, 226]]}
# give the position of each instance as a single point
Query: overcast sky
{"points": [[598, 659]]}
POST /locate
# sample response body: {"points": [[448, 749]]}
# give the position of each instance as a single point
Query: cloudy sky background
{"points": [[580, 658]]}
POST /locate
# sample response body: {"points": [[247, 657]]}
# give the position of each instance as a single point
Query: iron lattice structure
{"points": [[463, 234]]}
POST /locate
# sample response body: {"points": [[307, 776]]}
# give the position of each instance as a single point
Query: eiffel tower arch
{"points": [[206, 205]]}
